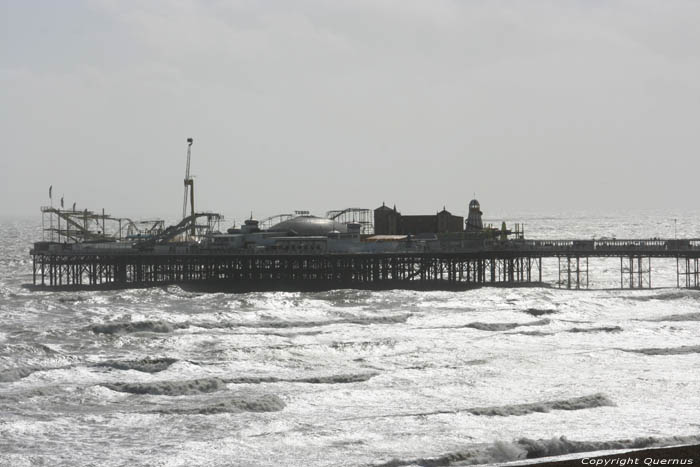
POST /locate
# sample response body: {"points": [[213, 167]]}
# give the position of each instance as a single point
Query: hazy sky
{"points": [[318, 105]]}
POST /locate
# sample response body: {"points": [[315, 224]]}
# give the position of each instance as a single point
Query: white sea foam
{"points": [[347, 377]]}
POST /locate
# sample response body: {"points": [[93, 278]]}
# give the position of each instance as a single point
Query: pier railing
{"points": [[601, 247]]}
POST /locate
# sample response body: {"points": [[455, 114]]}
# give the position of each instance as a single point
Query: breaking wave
{"points": [[29, 349], [574, 330], [560, 446], [71, 299], [680, 317], [282, 324], [576, 403], [597, 329], [136, 326], [15, 374], [462, 457], [146, 365], [525, 448], [337, 379], [683, 350], [539, 312], [264, 403], [160, 326], [293, 334], [332, 379], [170, 388], [533, 333], [503, 326], [671, 295]]}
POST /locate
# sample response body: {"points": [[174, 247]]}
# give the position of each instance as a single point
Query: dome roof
{"points": [[474, 204], [309, 225]]}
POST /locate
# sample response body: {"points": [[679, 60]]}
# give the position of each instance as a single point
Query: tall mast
{"points": [[188, 180], [189, 184]]}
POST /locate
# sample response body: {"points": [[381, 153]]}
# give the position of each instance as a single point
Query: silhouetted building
{"points": [[413, 225], [446, 222], [389, 221]]}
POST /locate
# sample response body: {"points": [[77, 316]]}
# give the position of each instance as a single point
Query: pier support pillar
{"points": [[573, 271], [688, 272], [637, 272]]}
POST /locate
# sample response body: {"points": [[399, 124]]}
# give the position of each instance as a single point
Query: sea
{"points": [[166, 377]]}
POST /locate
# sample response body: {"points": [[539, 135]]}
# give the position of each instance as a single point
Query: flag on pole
{"points": [[50, 191]]}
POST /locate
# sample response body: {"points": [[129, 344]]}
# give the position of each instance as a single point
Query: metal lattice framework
{"points": [[184, 228], [73, 226], [362, 216]]}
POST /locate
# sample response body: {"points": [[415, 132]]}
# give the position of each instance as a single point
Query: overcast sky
{"points": [[535, 106]]}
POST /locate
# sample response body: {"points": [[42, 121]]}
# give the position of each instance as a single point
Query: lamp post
{"points": [[675, 234]]}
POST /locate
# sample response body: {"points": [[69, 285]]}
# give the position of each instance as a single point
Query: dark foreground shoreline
{"points": [[677, 455]]}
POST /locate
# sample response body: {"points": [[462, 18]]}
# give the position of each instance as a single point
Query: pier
{"points": [[507, 263]]}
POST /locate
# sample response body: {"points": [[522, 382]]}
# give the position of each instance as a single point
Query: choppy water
{"points": [[166, 378]]}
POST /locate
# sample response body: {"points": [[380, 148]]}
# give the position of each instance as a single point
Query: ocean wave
{"points": [[672, 295], [597, 329], [533, 333], [135, 326], [337, 379], [562, 445], [170, 388], [539, 312], [472, 457], [573, 330], [15, 374], [33, 348], [292, 334], [264, 403], [25, 396], [576, 403], [503, 326], [683, 350], [146, 365], [525, 448], [499, 451], [331, 379], [74, 299], [679, 317], [160, 326]]}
